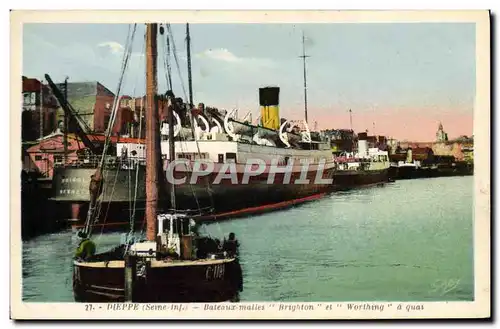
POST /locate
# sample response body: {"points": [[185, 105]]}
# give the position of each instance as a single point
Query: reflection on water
{"points": [[409, 240]]}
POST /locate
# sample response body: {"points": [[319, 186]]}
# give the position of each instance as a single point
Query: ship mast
{"points": [[190, 80], [41, 110], [350, 118], [152, 133], [169, 70], [304, 56], [65, 136]]}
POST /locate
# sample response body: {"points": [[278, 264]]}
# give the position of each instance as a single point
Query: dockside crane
{"points": [[75, 121]]}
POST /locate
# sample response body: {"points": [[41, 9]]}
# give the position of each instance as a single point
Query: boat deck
{"points": [[156, 263]]}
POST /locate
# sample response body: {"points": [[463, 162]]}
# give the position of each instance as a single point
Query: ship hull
{"points": [[412, 172], [346, 179], [163, 282], [35, 192], [210, 201]]}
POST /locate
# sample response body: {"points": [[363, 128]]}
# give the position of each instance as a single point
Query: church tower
{"points": [[441, 135]]}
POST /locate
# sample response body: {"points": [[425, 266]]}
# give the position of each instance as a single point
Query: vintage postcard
{"points": [[250, 165]]}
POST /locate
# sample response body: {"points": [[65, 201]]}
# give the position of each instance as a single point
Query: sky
{"points": [[399, 79]]}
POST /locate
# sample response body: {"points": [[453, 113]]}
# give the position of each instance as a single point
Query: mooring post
{"points": [[130, 275]]}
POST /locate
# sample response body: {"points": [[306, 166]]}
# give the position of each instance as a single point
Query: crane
{"points": [[75, 121]]}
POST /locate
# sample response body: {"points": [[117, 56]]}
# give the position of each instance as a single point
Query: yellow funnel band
{"points": [[270, 116]]}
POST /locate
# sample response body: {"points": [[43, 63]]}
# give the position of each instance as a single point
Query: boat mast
{"points": [[190, 80], [171, 105], [152, 133], [41, 109], [171, 148], [350, 118], [65, 136], [169, 70], [304, 56]]}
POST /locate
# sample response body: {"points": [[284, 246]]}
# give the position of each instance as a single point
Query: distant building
{"points": [[346, 140], [441, 135], [341, 140], [422, 154], [461, 149], [38, 116], [92, 102], [392, 145]]}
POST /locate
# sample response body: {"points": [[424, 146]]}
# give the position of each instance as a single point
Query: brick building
{"points": [[38, 117], [92, 102]]}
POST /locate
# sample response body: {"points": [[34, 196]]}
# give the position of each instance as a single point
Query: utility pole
{"points": [[304, 56]]}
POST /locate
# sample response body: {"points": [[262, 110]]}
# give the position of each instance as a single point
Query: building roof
{"points": [[421, 150], [397, 157], [31, 85], [99, 138]]}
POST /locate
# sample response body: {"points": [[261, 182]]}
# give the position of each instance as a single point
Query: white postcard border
{"points": [[480, 307]]}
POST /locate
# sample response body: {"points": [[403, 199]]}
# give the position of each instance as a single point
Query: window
{"points": [[106, 122], [231, 157], [185, 226], [26, 99], [58, 159], [52, 122], [221, 158], [38, 157]]}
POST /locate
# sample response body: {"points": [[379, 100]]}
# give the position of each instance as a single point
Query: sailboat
{"points": [[173, 263]]}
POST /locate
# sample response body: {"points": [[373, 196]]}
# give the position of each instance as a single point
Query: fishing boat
{"points": [[225, 143], [173, 263]]}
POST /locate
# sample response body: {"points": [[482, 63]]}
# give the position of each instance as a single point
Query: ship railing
{"points": [[110, 161]]}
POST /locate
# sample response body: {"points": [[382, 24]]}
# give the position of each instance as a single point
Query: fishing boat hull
{"points": [[216, 280]]}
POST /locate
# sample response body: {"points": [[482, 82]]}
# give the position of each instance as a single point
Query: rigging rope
{"points": [[207, 183], [166, 61], [125, 61], [169, 28], [209, 190], [138, 165]]}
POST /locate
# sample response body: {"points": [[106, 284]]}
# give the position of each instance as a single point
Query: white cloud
{"points": [[224, 55], [113, 46], [221, 54]]}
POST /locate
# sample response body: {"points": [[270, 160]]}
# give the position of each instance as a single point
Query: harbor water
{"points": [[410, 240]]}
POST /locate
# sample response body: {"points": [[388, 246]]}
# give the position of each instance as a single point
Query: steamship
{"points": [[222, 141], [361, 160]]}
